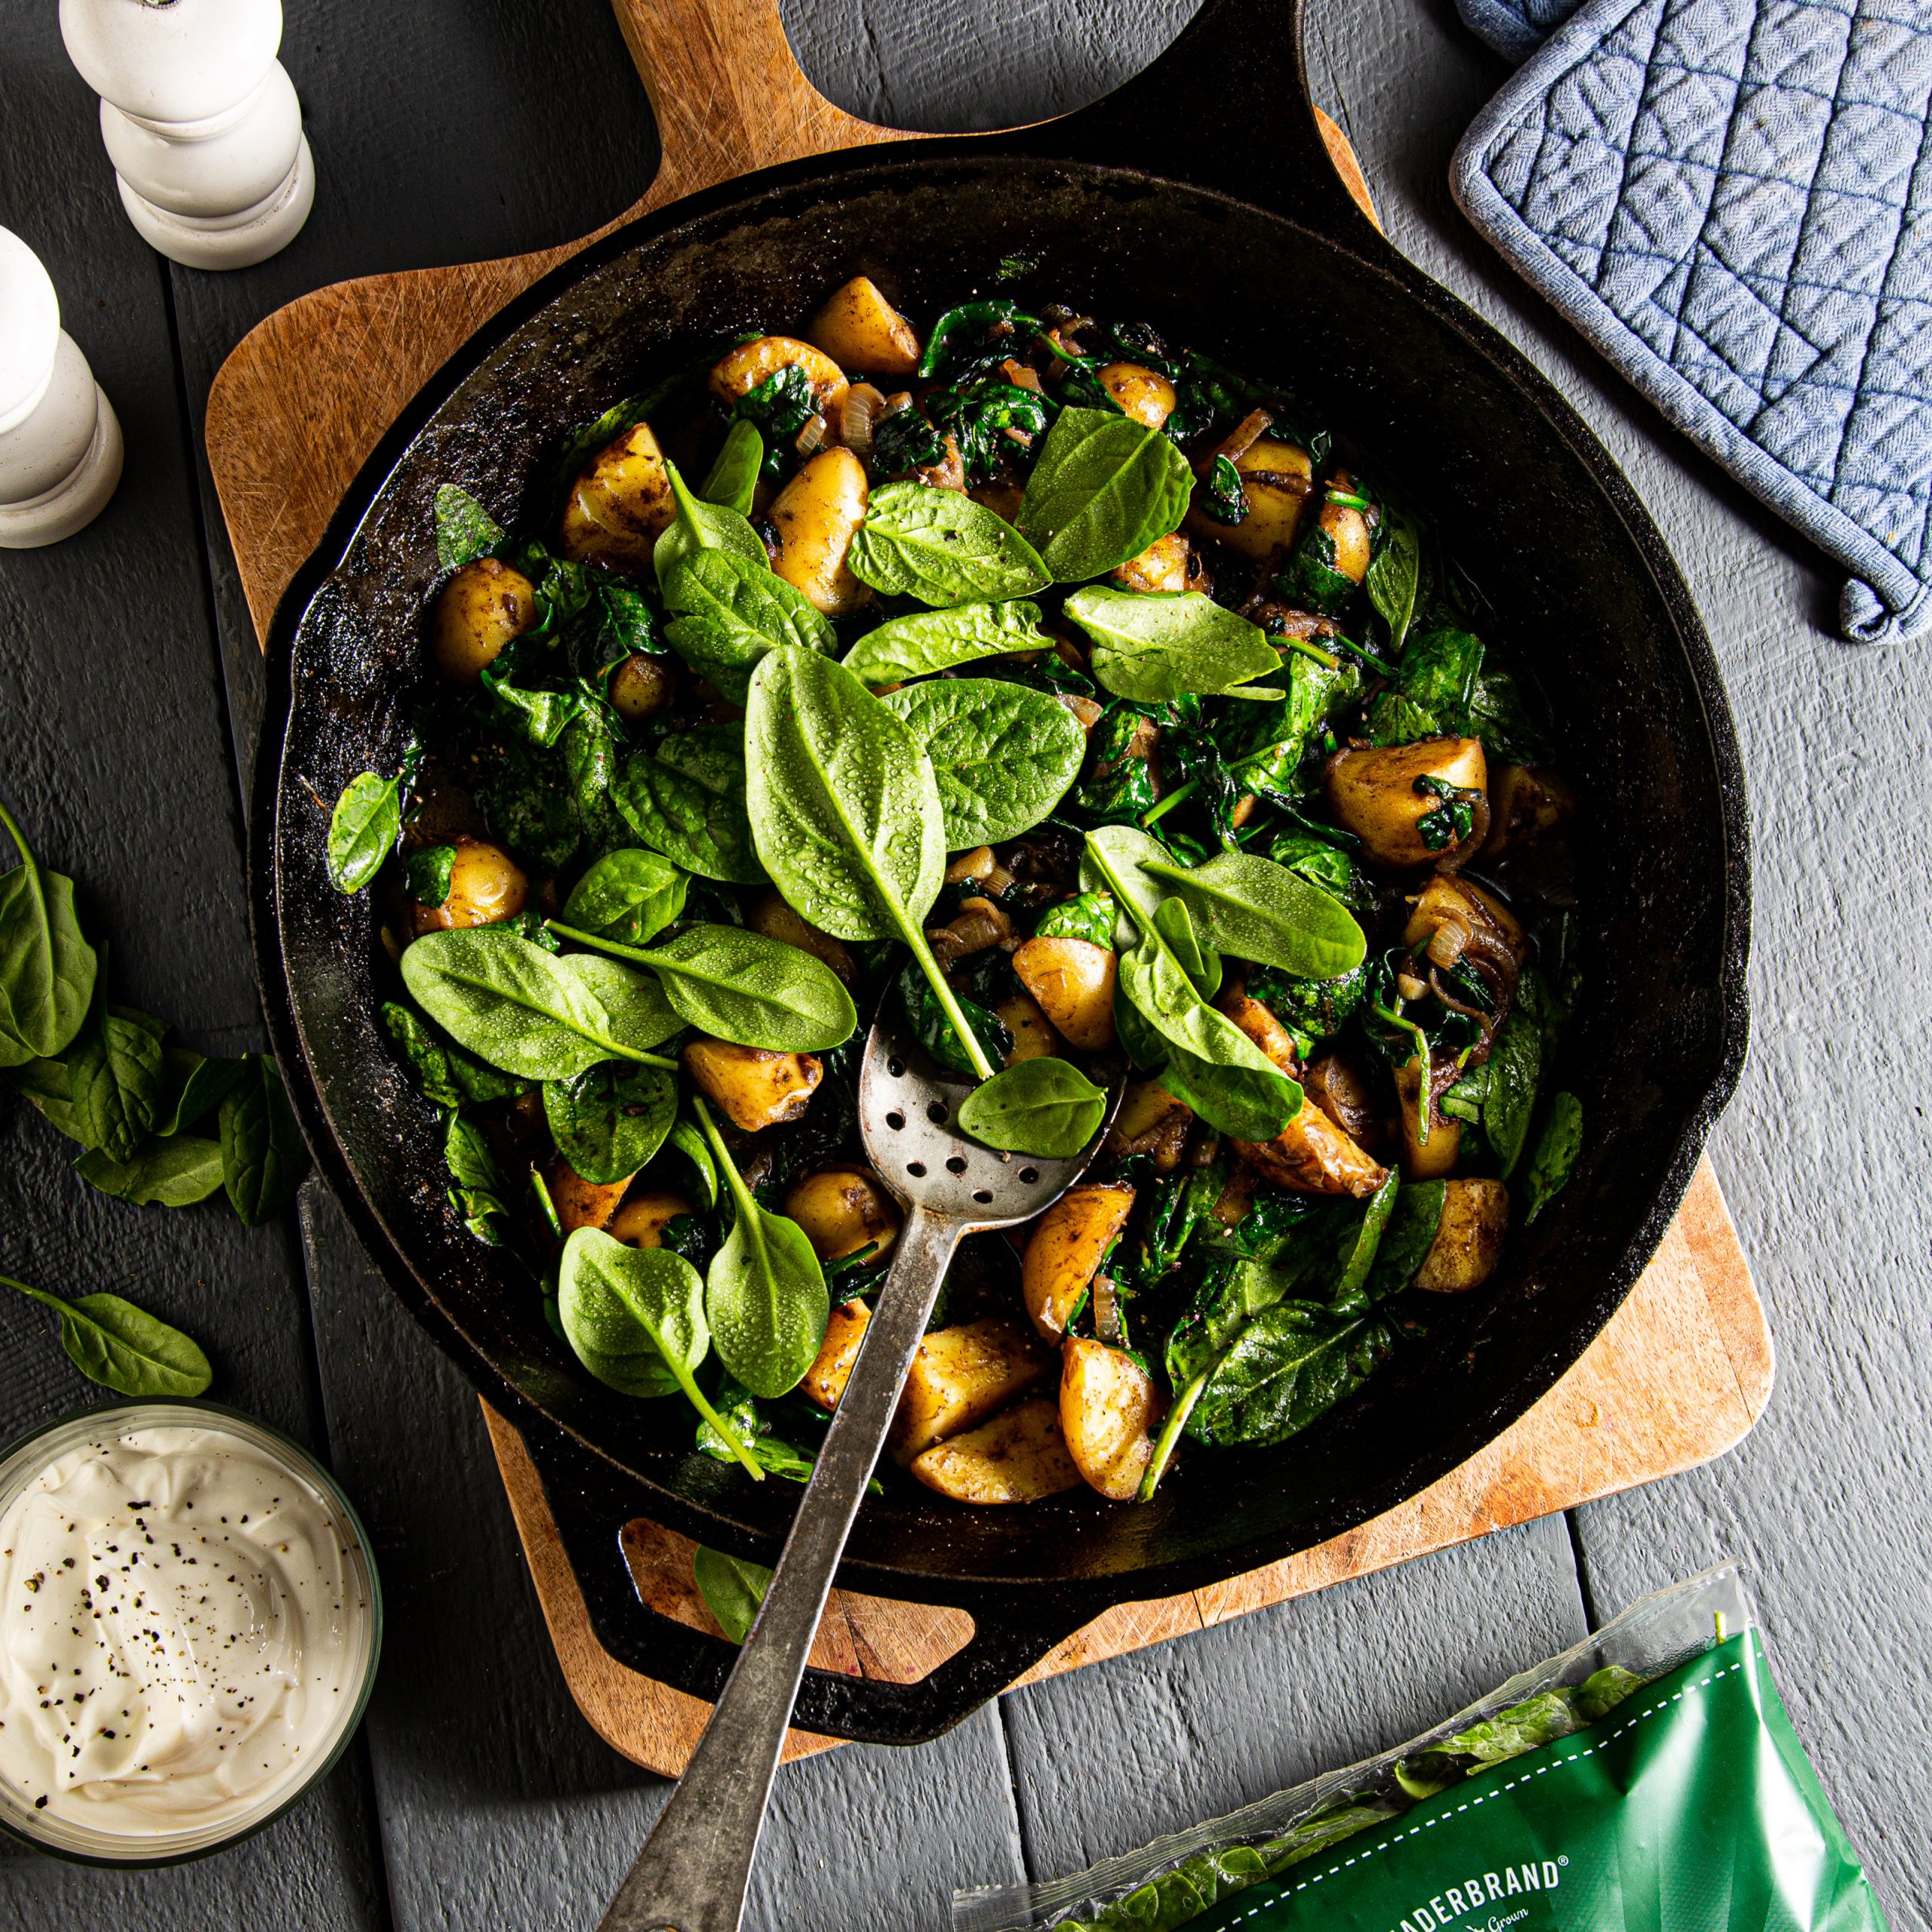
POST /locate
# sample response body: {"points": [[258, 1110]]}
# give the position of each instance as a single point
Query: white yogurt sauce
{"points": [[181, 1627]]}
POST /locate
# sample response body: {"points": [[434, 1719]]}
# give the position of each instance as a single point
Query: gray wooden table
{"points": [[450, 130]]}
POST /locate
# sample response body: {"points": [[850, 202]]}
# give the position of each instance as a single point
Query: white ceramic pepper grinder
{"points": [[201, 122], [59, 440]]}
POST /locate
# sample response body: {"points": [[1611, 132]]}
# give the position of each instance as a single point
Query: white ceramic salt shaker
{"points": [[59, 442], [201, 122]]}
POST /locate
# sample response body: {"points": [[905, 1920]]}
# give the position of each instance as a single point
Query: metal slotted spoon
{"points": [[692, 1873]]}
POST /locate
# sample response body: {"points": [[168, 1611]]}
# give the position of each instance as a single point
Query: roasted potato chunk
{"points": [[1065, 1250], [1265, 1030], [486, 884], [484, 605], [1444, 900], [860, 330], [755, 1088], [1348, 529], [1432, 1158], [581, 1203], [643, 685], [1150, 1122], [1278, 480], [1073, 981], [824, 1381], [740, 371], [841, 1210], [1468, 1240], [1312, 1155], [640, 1222], [620, 505], [959, 1377], [1341, 1090], [816, 515], [1143, 393], [1033, 1035], [1168, 563], [1018, 1457], [1373, 793], [770, 916], [1108, 1408]]}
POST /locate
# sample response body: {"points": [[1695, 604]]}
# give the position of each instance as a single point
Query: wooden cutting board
{"points": [[1680, 1373]]}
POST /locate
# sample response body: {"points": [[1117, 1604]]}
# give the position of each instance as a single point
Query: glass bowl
{"points": [[60, 1827]]}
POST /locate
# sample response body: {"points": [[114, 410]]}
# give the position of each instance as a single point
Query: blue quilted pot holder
{"points": [[1733, 200]]}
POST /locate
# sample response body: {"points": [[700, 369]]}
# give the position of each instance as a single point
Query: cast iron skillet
{"points": [[1199, 198]]}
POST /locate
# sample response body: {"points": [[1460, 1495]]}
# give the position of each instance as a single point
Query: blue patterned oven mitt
{"points": [[1733, 200]]}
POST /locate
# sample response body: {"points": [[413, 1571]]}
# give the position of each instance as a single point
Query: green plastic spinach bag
{"points": [[1647, 1781]]}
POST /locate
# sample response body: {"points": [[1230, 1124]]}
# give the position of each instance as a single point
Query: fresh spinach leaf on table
{"points": [[525, 1011], [727, 611], [1045, 1106], [1104, 488], [263, 1157], [733, 1588], [1258, 911], [176, 1171], [1156, 648], [1002, 756], [465, 530], [702, 526], [732, 479], [122, 1347], [609, 1120], [685, 798], [630, 895], [916, 646], [765, 1295], [47, 970], [115, 1080], [941, 547]]}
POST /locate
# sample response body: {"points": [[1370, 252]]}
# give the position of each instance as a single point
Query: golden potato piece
{"points": [[1168, 563], [640, 1222], [816, 515], [1430, 1159], [1018, 1457], [1150, 1122], [1444, 900], [1468, 1240], [1278, 480], [484, 605], [1265, 1030], [824, 1381], [1341, 1090], [770, 916], [1033, 1035], [1143, 393], [1348, 529], [620, 505], [1108, 1409], [1065, 1250], [581, 1203], [843, 1209], [486, 884], [860, 330], [643, 685], [959, 1377], [1373, 793], [1312, 1155], [1073, 981], [756, 1088], [740, 371]]}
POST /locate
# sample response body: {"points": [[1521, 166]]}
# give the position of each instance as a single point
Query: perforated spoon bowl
{"points": [[691, 1875]]}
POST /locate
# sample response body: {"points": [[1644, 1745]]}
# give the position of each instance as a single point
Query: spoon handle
{"points": [[691, 1875]]}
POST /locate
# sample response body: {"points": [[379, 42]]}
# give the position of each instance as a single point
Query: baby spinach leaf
{"points": [[941, 547], [263, 1155], [933, 1026], [928, 640], [1155, 648], [122, 1347], [628, 894], [363, 830], [732, 1587], [47, 967], [442, 1071], [639, 1014], [609, 1120], [1510, 1094], [515, 1006], [686, 799], [727, 611], [1394, 573], [114, 1077], [1405, 1241], [1290, 1365], [845, 812], [733, 478], [175, 1172], [1104, 488], [1360, 1245], [478, 1195], [765, 1295], [689, 1142], [1043, 1106], [44, 1083], [1258, 911], [465, 530], [1002, 756], [703, 526], [748, 1424], [1201, 964], [1233, 1097], [1125, 852], [755, 991], [1555, 1158]]}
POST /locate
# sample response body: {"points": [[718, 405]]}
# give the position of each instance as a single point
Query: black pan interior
{"points": [[1585, 598]]}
